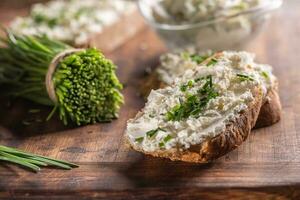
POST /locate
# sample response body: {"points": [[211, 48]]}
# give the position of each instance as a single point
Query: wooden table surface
{"points": [[266, 166]]}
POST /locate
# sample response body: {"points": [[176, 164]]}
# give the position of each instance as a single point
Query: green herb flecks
{"points": [[151, 115], [185, 55], [165, 140], [212, 62], [42, 19], [200, 79], [151, 133], [194, 104], [265, 75], [139, 140], [161, 144], [242, 6], [198, 58], [244, 77], [31, 161], [189, 84]]}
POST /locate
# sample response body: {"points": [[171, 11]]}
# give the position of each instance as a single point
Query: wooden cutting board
{"points": [[266, 166]]}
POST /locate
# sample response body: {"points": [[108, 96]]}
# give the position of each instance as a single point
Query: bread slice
{"points": [[270, 112], [223, 124], [235, 134], [271, 109]]}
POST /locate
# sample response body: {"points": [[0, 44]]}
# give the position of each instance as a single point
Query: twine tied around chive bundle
{"points": [[51, 70]]}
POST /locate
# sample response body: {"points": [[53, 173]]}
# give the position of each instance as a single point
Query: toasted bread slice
{"points": [[197, 121], [270, 112], [235, 134]]}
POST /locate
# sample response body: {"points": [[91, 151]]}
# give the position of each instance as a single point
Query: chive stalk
{"points": [[31, 161]]}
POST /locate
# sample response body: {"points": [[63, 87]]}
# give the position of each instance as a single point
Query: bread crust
{"points": [[152, 83], [235, 134], [270, 112]]}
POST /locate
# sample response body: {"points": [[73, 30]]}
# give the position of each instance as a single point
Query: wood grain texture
{"points": [[266, 166]]}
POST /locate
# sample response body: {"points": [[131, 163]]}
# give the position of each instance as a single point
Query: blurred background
{"points": [[215, 25]]}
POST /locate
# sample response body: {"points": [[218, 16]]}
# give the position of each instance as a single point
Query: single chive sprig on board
{"points": [[80, 84], [31, 161]]}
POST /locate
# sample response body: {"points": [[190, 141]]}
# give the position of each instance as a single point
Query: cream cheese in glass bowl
{"points": [[207, 24]]}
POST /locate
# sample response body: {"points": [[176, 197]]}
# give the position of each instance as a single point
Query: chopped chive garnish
{"points": [[200, 79], [241, 6], [151, 133], [185, 55], [168, 138], [161, 144], [198, 58], [243, 77], [140, 139], [184, 87], [165, 140], [265, 75], [194, 104], [212, 62], [152, 116]]}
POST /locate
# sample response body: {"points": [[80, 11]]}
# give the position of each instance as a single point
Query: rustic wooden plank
{"points": [[278, 193], [266, 166], [153, 173]]}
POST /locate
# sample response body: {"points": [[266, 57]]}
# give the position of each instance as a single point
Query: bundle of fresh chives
{"points": [[80, 84]]}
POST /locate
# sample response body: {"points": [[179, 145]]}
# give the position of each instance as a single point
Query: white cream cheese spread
{"points": [[71, 21], [196, 107], [173, 65], [194, 11], [209, 24]]}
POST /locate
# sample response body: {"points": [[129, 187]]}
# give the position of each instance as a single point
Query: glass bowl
{"points": [[230, 32]]}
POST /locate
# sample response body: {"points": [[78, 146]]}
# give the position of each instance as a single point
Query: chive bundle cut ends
{"points": [[80, 84], [31, 161]]}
